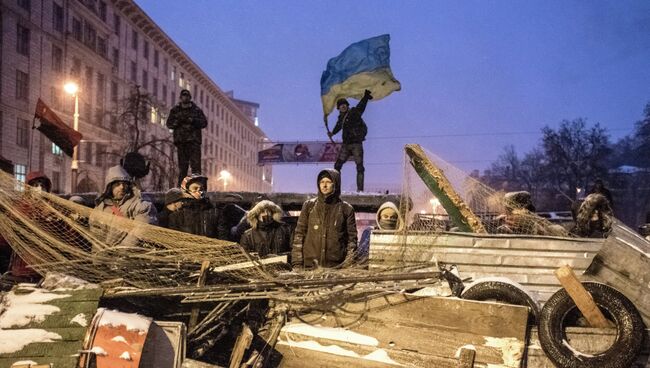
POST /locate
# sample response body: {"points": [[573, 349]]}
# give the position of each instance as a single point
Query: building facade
{"points": [[110, 49]]}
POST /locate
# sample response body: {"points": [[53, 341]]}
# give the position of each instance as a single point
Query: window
{"points": [[113, 123], [173, 75], [117, 23], [145, 52], [156, 58], [57, 17], [102, 47], [145, 79], [134, 72], [25, 4], [76, 67], [19, 172], [88, 80], [56, 150], [101, 155], [57, 59], [55, 97], [154, 88], [164, 91], [154, 114], [101, 89], [76, 29], [102, 11], [181, 79], [165, 66], [90, 35], [56, 182], [116, 58], [22, 85], [114, 91], [134, 40], [88, 153], [22, 40], [22, 132]]}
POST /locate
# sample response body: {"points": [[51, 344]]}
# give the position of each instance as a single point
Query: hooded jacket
{"points": [[353, 126], [132, 207], [187, 122], [326, 231], [394, 207], [265, 239]]}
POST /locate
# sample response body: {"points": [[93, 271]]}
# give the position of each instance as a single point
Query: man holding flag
{"points": [[362, 67]]}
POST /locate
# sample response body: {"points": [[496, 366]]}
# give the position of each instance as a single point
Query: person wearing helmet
{"points": [[198, 215], [120, 199], [186, 120], [354, 133], [326, 233]]}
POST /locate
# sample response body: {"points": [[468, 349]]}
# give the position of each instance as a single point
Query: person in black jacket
{"points": [[326, 233], [599, 188], [354, 133], [186, 120], [197, 215], [268, 234]]}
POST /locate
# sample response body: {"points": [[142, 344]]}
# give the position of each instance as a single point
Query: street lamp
{"points": [[225, 176], [73, 89]]}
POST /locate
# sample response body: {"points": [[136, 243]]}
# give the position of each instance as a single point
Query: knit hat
{"points": [[173, 195], [341, 101], [186, 92]]}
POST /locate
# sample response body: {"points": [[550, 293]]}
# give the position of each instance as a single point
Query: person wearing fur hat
{"points": [[268, 234], [121, 199], [198, 215], [186, 119], [174, 199], [326, 233], [387, 219], [354, 133]]}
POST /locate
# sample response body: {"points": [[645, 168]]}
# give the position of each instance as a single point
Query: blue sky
{"points": [[476, 75]]}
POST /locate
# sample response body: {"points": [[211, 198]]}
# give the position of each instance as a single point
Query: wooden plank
{"points": [[56, 361], [466, 358], [194, 315], [581, 297], [241, 345]]}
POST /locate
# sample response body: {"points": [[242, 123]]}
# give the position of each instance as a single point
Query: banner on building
{"points": [[306, 152]]}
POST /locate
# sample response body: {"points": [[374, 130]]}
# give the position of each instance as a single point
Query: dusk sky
{"points": [[476, 75]]}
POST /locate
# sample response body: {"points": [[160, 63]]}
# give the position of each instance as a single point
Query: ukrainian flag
{"points": [[362, 65]]}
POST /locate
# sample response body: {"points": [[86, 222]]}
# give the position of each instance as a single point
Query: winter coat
{"points": [[187, 122], [199, 217], [353, 126], [265, 239], [326, 232], [132, 207]]}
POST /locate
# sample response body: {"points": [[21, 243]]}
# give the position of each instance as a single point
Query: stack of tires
{"points": [[560, 311]]}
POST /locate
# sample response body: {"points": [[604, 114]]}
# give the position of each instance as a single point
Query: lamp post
{"points": [[225, 176], [73, 89]]}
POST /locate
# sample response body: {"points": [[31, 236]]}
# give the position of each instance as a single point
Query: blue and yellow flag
{"points": [[362, 65]]}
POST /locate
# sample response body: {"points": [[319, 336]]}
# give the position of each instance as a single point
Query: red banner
{"points": [[55, 129]]}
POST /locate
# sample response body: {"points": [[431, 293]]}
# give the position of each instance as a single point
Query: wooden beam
{"points": [[241, 345], [584, 301], [194, 316], [466, 358]]}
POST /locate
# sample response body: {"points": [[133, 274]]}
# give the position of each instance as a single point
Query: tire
{"points": [[504, 292], [629, 329]]}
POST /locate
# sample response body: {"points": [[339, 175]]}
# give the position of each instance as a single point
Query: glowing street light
{"points": [[225, 176], [73, 89]]}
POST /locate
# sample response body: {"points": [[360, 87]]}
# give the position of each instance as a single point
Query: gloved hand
{"points": [[367, 94]]}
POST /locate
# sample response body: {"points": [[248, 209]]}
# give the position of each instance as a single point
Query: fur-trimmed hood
{"points": [[392, 206], [252, 215]]}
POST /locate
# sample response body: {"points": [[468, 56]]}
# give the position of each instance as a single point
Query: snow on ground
{"points": [[119, 339], [80, 319], [132, 321], [512, 349], [469, 347], [330, 333], [379, 355], [504, 280], [24, 362], [21, 309], [16, 340]]}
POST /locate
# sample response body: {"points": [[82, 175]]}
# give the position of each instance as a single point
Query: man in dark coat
{"points": [[268, 234], [326, 233], [599, 188], [174, 199], [186, 120], [197, 215], [354, 133]]}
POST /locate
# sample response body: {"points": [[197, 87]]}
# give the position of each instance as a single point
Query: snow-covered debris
{"points": [[98, 350], [468, 347], [126, 356], [132, 321], [59, 281], [24, 362], [512, 349], [380, 355], [22, 308], [119, 338], [330, 333], [16, 340], [80, 319]]}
